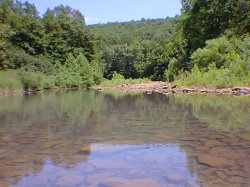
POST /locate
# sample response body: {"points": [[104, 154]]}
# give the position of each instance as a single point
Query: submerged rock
{"points": [[85, 150], [214, 161], [233, 155], [245, 136]]}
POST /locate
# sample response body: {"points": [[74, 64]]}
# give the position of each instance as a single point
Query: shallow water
{"points": [[87, 138]]}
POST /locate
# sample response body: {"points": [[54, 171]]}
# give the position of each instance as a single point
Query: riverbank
{"points": [[167, 88], [4, 92], [149, 88]]}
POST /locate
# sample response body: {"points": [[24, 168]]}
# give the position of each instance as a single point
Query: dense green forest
{"points": [[207, 45]]}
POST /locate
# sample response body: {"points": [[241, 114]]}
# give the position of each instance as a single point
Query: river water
{"points": [[101, 139]]}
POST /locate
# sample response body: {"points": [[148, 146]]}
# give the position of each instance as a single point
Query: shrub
{"points": [[215, 52], [222, 63], [9, 80], [75, 72], [118, 79], [31, 80]]}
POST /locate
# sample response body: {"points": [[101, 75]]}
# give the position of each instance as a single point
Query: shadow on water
{"points": [[88, 138]]}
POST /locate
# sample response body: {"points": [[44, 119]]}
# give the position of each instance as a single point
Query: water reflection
{"points": [[103, 139], [118, 165]]}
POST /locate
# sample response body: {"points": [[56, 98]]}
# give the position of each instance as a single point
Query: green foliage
{"points": [[208, 19], [67, 34], [138, 49], [171, 72], [218, 51], [9, 80], [118, 79], [207, 45], [36, 80], [55, 50], [75, 72], [222, 63], [219, 78]]}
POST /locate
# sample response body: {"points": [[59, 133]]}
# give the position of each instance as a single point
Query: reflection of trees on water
{"points": [[219, 112], [58, 125], [71, 107]]}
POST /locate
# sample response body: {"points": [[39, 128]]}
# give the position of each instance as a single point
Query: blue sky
{"points": [[103, 11]]}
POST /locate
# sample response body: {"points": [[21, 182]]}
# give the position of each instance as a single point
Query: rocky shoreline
{"points": [[150, 88], [167, 88]]}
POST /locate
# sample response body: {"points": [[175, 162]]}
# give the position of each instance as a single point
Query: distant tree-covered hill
{"points": [[138, 48]]}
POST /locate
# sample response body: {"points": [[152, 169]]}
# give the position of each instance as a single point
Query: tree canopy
{"points": [[60, 50]]}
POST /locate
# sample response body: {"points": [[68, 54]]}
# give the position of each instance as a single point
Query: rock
{"points": [[236, 89], [213, 143], [218, 150], [174, 86], [12, 173], [21, 160], [4, 184], [217, 136], [85, 150], [188, 90], [214, 161], [222, 175], [203, 91], [233, 155], [240, 91], [235, 180], [175, 178], [164, 87], [149, 92], [244, 136], [191, 138], [235, 171]]}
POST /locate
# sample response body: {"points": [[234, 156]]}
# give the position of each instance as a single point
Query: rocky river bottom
{"points": [[88, 138]]}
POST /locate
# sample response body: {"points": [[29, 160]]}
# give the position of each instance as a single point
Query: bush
{"points": [[75, 72], [119, 79], [36, 80], [31, 80], [9, 80], [215, 52], [220, 78], [222, 63]]}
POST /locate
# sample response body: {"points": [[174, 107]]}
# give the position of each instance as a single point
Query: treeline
{"points": [[139, 49], [56, 50], [207, 45]]}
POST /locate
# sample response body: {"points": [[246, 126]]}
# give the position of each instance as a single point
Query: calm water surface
{"points": [[94, 139]]}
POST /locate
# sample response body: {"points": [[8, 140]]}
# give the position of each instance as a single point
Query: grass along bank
{"points": [[119, 79], [9, 81]]}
